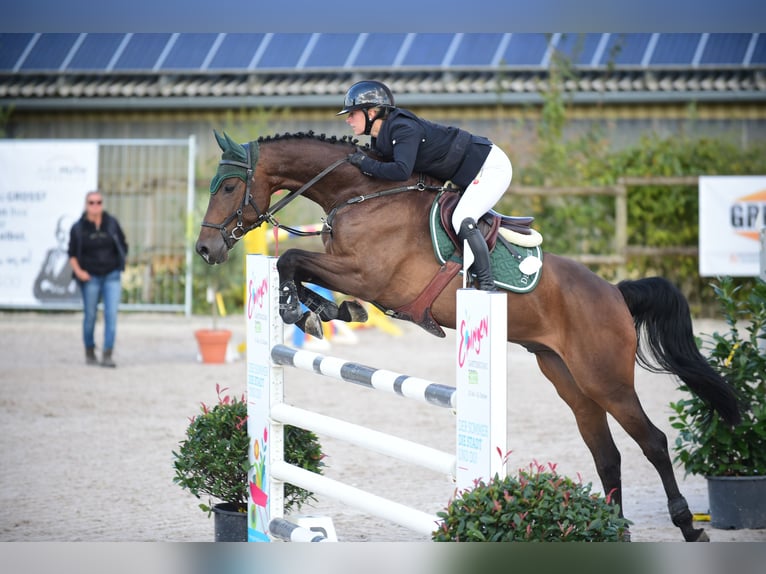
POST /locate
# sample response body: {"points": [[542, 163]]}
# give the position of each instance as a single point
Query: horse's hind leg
{"points": [[628, 412], [594, 429], [591, 422]]}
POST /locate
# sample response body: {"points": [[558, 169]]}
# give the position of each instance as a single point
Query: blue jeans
{"points": [[108, 289]]}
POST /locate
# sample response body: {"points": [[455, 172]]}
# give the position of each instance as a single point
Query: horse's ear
{"points": [[221, 141], [234, 146]]}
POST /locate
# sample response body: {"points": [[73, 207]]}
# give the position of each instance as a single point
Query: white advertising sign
{"points": [[265, 447], [732, 212], [481, 386], [42, 193]]}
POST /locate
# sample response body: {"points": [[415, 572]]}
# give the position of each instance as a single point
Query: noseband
{"points": [[239, 230]]}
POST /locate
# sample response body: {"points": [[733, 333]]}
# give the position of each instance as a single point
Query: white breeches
{"points": [[486, 189]]}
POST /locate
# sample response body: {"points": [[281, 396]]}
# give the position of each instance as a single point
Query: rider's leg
{"points": [[481, 267], [478, 198]]}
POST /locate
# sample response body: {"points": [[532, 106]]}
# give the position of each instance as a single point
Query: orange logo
{"points": [[748, 215]]}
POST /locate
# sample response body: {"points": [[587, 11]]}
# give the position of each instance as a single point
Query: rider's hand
{"points": [[357, 159]]}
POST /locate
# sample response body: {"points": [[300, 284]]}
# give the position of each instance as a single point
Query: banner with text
{"points": [[732, 212], [42, 192]]}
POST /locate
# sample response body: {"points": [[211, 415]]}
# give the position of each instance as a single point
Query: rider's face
{"points": [[356, 120]]}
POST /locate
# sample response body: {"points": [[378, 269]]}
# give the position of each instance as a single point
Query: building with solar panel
{"points": [[118, 85]]}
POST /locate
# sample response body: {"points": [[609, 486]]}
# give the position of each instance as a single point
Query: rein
{"points": [[419, 186], [239, 230]]}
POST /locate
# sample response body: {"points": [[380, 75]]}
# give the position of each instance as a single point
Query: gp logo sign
{"points": [[472, 333], [747, 215]]}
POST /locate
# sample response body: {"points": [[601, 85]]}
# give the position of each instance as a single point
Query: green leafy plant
{"points": [[537, 505], [213, 458], [706, 445]]}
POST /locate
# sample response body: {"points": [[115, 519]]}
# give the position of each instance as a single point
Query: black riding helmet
{"points": [[368, 94]]}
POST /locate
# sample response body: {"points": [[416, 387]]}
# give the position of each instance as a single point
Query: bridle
{"points": [[239, 230]]}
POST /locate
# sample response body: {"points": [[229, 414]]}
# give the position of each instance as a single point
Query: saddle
{"points": [[493, 227], [490, 224]]}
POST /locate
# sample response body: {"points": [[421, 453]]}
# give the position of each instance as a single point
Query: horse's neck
{"points": [[294, 170]]}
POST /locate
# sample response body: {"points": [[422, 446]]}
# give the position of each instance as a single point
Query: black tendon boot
{"points": [[481, 268]]}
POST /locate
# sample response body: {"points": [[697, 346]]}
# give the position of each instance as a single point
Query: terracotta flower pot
{"points": [[213, 344]]}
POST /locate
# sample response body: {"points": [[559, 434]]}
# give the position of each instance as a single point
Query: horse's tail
{"points": [[662, 318]]}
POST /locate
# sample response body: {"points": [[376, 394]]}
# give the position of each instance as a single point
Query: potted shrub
{"points": [[537, 505], [731, 458], [213, 460]]}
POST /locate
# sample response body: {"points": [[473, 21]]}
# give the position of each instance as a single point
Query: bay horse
{"points": [[584, 331]]}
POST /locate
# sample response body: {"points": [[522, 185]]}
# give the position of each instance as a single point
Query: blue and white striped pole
{"points": [[378, 379]]}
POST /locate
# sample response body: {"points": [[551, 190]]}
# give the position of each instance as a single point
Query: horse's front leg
{"points": [[291, 289], [325, 308], [330, 271]]}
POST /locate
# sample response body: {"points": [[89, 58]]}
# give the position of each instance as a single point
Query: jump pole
{"points": [[480, 394]]}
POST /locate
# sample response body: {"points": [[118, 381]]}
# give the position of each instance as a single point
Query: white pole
{"points": [[411, 518], [389, 445], [190, 175], [763, 254]]}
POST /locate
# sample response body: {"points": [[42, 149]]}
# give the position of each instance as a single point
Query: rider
{"points": [[409, 144]]}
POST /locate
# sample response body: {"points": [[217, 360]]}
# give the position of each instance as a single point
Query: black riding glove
{"points": [[357, 159]]}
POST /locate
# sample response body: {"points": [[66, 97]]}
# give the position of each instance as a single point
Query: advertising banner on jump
{"points": [[42, 193], [732, 213]]}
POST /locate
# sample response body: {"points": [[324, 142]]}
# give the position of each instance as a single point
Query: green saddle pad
{"points": [[505, 267]]}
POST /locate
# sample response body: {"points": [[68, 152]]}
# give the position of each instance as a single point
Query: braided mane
{"points": [[347, 140]]}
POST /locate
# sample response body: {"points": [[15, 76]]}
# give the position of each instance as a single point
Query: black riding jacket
{"points": [[409, 144]]}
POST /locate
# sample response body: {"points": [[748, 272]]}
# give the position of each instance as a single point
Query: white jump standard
{"points": [[479, 401]]}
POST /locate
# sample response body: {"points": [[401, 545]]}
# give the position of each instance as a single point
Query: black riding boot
{"points": [[481, 267]]}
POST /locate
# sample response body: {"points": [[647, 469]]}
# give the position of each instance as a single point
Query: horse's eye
{"points": [[229, 187]]}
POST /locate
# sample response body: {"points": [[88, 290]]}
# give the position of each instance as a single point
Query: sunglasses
{"points": [[98, 202]]}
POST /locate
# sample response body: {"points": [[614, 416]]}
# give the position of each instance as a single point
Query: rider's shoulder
{"points": [[402, 114]]}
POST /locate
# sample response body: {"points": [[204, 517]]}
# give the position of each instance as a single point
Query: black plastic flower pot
{"points": [[737, 502], [230, 525]]}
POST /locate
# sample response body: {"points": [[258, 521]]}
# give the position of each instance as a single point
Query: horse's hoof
{"points": [[701, 536], [310, 324], [352, 311]]}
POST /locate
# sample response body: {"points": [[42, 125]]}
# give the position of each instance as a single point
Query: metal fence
{"points": [[150, 188]]}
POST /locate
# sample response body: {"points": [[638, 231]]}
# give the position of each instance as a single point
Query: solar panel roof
{"points": [[379, 50], [675, 49], [187, 51], [725, 49], [235, 51], [141, 52], [283, 50], [95, 52]]}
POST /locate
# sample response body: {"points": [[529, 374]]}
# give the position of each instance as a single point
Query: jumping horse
{"points": [[584, 331]]}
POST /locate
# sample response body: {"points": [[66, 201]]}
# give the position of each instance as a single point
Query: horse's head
{"points": [[232, 210]]}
